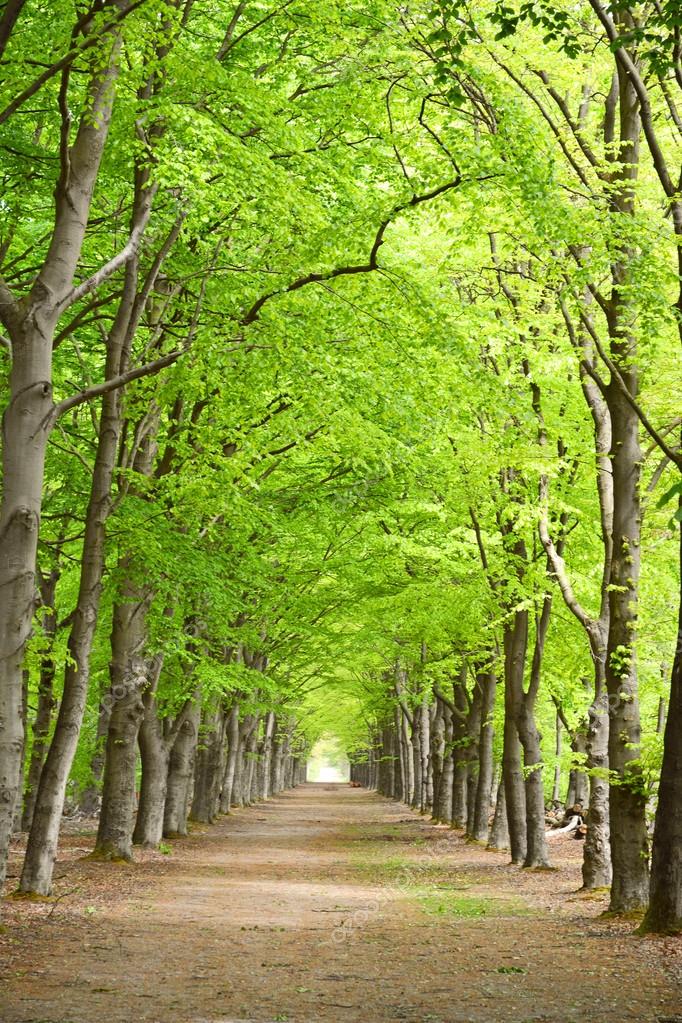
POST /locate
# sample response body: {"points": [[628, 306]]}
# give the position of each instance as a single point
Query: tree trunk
{"points": [[399, 762], [417, 788], [46, 700], [523, 709], [129, 673], [233, 756], [514, 794], [16, 826], [154, 756], [515, 640], [180, 774], [437, 756], [26, 428], [627, 796], [425, 748], [578, 784], [499, 831], [460, 744], [114, 834], [206, 778], [536, 841], [664, 915], [265, 757], [556, 787], [42, 843], [597, 852], [250, 758], [408, 760], [276, 767], [473, 764], [479, 828], [458, 813], [89, 799], [442, 810], [384, 773]]}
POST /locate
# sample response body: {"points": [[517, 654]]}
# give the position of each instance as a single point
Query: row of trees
{"points": [[340, 353]]}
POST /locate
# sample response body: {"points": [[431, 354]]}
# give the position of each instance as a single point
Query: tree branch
{"points": [[562, 716], [10, 15], [111, 385], [623, 58], [372, 263], [616, 377], [557, 563], [66, 60], [117, 261]]}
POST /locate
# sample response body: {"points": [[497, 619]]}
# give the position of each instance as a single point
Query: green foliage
{"points": [[306, 527]]}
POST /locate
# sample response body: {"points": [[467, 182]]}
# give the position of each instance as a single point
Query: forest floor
{"points": [[326, 903]]}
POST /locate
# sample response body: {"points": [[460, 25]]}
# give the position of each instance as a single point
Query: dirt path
{"points": [[327, 903]]}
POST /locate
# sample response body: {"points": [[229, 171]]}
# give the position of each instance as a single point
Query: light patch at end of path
{"points": [[328, 761]]}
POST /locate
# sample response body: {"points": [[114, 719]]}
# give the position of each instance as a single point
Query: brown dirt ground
{"points": [[327, 903]]}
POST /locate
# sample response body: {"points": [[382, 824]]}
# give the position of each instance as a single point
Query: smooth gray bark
{"points": [[31, 326], [181, 772]]}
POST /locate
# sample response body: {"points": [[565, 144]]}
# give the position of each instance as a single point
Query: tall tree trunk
{"points": [[399, 787], [27, 420], [206, 779], [664, 915], [16, 827], [556, 786], [417, 763], [115, 831], [408, 759], [597, 853], [473, 754], [384, 766], [487, 680], [241, 789], [442, 810], [155, 750], [129, 671], [499, 830], [233, 755], [181, 773], [537, 854], [276, 766], [42, 843], [515, 640], [437, 756], [89, 799], [536, 842], [46, 700], [627, 796], [265, 757], [250, 757], [425, 748], [460, 745]]}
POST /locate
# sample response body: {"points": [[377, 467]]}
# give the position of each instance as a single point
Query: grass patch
{"points": [[407, 871], [443, 900], [435, 886]]}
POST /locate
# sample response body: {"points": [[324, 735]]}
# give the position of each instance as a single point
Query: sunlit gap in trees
{"points": [[328, 761]]}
